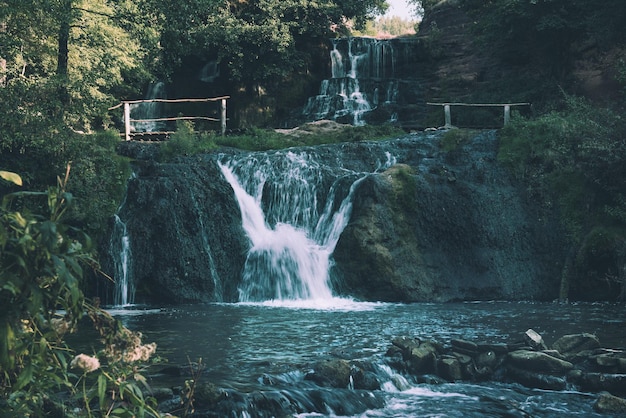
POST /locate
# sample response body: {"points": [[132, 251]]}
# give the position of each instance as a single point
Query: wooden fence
{"points": [[448, 114], [128, 132]]}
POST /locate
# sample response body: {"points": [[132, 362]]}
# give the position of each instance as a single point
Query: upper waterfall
{"points": [[370, 79], [293, 225]]}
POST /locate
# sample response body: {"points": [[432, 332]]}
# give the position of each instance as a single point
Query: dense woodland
{"points": [[63, 63]]}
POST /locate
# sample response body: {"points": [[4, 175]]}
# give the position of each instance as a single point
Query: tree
{"points": [[255, 41], [546, 33], [86, 48]]}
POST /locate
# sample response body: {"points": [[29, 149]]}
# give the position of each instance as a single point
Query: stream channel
{"points": [[269, 348]]}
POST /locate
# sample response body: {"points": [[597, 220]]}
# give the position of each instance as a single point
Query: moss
{"points": [[452, 139]]}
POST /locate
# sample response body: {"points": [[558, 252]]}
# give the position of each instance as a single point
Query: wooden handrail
{"points": [[127, 120], [478, 104], [448, 114]]}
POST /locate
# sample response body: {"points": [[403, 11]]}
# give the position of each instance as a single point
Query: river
{"points": [[269, 347]]}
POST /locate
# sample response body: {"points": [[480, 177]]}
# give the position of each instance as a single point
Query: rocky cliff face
{"points": [[448, 226], [437, 226], [185, 232]]}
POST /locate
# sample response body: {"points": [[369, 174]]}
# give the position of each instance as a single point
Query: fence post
{"points": [[507, 114], [127, 120], [223, 117], [448, 117]]}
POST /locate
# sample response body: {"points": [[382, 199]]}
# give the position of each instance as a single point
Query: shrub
{"points": [[41, 264]]}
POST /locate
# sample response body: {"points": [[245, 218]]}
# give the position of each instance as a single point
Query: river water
{"points": [[269, 347]]}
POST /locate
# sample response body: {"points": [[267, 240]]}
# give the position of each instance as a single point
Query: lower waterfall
{"points": [[124, 293], [292, 233]]}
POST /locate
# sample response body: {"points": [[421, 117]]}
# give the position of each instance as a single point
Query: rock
{"points": [[569, 345], [161, 394], [615, 361], [539, 362], [423, 359], [406, 344], [534, 340], [615, 383], [207, 394], [331, 373], [486, 359], [365, 380], [463, 346], [536, 380], [609, 404], [496, 348], [449, 368]]}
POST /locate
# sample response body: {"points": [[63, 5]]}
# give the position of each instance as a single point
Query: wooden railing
{"points": [[128, 134], [448, 115]]}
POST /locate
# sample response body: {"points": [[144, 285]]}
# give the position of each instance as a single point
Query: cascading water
{"points": [[367, 75], [124, 293], [291, 240], [150, 110]]}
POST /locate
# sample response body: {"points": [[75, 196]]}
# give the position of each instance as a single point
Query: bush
{"points": [[41, 265], [575, 158]]}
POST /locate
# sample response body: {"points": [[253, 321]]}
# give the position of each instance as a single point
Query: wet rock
{"points": [[535, 379], [538, 361], [615, 383], [612, 360], [496, 348], [534, 340], [331, 373], [486, 359], [406, 344], [161, 394], [207, 394], [609, 404], [365, 380], [569, 345], [449, 368], [423, 359], [464, 346]]}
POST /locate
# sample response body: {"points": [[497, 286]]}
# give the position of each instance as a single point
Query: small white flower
{"points": [[86, 363]]}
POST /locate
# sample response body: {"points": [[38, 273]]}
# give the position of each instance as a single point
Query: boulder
{"points": [[569, 345], [464, 346], [535, 379], [612, 360], [406, 344], [538, 361], [535, 340], [615, 383], [331, 373], [609, 404], [423, 359], [449, 368], [486, 359]]}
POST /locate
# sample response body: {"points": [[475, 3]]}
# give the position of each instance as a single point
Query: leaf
{"points": [[25, 377], [11, 177], [102, 386]]}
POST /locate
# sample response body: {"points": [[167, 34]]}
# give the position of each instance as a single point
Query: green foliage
{"points": [[453, 138], [388, 27], [545, 33], [308, 135], [186, 142], [99, 174], [575, 159], [41, 265], [256, 43]]}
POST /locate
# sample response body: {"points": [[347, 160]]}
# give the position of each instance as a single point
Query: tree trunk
{"points": [[65, 19]]}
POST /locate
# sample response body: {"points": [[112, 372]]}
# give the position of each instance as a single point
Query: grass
{"points": [[187, 142]]}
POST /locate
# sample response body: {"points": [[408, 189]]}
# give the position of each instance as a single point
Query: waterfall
{"points": [[291, 239], [124, 293], [367, 75], [151, 110]]}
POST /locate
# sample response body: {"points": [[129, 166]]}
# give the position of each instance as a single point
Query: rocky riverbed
{"points": [[575, 362]]}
